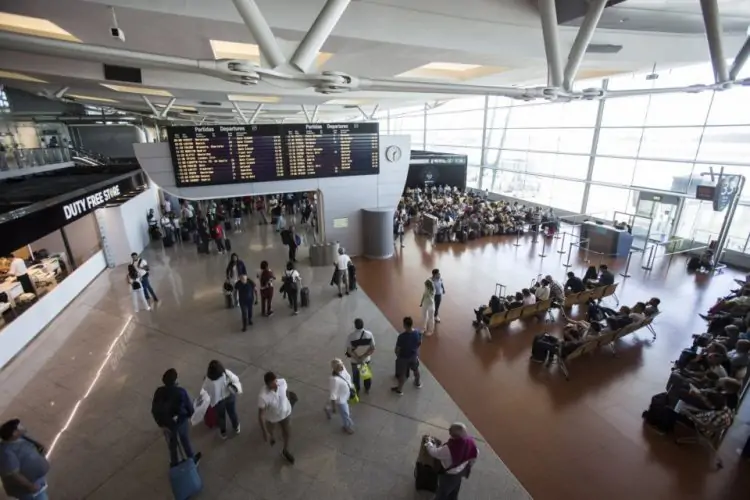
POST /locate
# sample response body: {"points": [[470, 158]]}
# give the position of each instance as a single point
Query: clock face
{"points": [[393, 154]]}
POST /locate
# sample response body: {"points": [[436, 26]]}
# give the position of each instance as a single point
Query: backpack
{"points": [[135, 285], [286, 237], [165, 406]]}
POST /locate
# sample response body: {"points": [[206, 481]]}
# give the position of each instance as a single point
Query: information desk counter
{"points": [[606, 239]]}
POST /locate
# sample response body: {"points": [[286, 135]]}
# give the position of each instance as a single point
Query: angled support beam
{"points": [[261, 32], [740, 60], [61, 93], [151, 106], [362, 112], [239, 112], [307, 115], [308, 48], [712, 22], [256, 113], [166, 109], [581, 43], [374, 110], [551, 42], [315, 113]]}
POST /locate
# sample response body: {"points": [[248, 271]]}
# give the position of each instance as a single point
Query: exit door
{"points": [[662, 209]]}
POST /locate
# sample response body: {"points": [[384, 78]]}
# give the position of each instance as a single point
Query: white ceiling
{"points": [[374, 38]]}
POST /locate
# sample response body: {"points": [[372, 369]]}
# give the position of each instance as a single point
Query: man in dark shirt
{"points": [[574, 284], [172, 408], [605, 276], [245, 297], [407, 355]]}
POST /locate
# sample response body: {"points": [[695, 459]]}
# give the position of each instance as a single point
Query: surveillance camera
{"points": [[117, 33]]}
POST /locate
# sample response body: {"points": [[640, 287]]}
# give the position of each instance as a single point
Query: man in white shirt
{"points": [[19, 270], [143, 272], [542, 291], [342, 264], [360, 345], [275, 408], [340, 388]]}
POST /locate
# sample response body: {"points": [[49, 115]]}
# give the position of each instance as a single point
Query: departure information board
{"points": [[228, 154]]}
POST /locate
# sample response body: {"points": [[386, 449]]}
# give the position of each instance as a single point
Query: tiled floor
{"points": [[582, 439], [86, 383]]}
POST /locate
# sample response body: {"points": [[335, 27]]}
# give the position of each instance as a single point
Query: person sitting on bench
{"points": [[484, 313]]}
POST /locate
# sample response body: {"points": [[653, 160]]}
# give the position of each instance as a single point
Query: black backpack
{"points": [[286, 237], [165, 406]]}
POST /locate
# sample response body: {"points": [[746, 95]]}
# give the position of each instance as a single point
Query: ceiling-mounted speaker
{"points": [[122, 74], [209, 103], [603, 48]]}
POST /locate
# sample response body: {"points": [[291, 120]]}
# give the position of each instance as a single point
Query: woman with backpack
{"points": [[136, 289], [291, 285], [222, 387]]}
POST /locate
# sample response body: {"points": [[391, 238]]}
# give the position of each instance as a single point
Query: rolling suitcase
{"points": [[185, 234], [305, 297], [426, 469], [352, 278], [463, 236], [184, 478], [543, 347], [168, 240]]}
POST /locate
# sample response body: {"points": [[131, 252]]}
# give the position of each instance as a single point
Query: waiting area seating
{"points": [[539, 309], [598, 293]]}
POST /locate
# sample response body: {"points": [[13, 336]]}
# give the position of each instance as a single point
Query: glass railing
{"points": [[36, 157]]}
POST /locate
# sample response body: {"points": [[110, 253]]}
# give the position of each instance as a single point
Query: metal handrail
{"points": [[33, 157]]}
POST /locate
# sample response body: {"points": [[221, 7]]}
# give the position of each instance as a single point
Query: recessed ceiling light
{"points": [[252, 98], [34, 26], [446, 66], [137, 90], [177, 106], [249, 51], [89, 98], [12, 75]]}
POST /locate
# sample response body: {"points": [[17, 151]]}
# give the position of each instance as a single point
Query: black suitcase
{"points": [[425, 477], [227, 225], [463, 236], [229, 300], [440, 237], [352, 278], [472, 235], [543, 347], [304, 297], [228, 244], [185, 233], [168, 240]]}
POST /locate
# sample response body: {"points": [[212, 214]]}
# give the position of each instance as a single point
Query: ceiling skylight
{"points": [[12, 75], [451, 71], [249, 51], [89, 98], [137, 90], [253, 98], [35, 26]]}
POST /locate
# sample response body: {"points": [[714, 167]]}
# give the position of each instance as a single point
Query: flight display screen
{"points": [[228, 154]]}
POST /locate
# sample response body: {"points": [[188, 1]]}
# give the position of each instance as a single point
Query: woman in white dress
{"points": [[136, 289], [428, 307]]}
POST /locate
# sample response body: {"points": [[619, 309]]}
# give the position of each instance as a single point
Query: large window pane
{"points": [[725, 144], [461, 104], [463, 137], [727, 106], [497, 117], [661, 174], [604, 201], [677, 143], [472, 177], [699, 221], [567, 195], [619, 141], [613, 170], [456, 120], [625, 111], [678, 109], [486, 182]]}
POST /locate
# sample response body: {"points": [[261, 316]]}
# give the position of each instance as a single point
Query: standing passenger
{"points": [[266, 279], [428, 307]]}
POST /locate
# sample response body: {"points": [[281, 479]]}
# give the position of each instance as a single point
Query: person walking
{"points": [[237, 214], [342, 264], [275, 410], [428, 307], [222, 387], [294, 240], [260, 208], [136, 289], [407, 355], [398, 230], [360, 346], [292, 282], [246, 297], [456, 456], [266, 278], [23, 466], [341, 391], [144, 272], [437, 281], [218, 234], [172, 408], [235, 269]]}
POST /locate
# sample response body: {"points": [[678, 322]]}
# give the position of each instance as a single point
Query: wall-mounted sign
{"points": [[705, 193], [726, 189], [341, 223], [86, 204]]}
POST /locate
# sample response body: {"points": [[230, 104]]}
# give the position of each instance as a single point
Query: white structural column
{"points": [[740, 60], [551, 42], [594, 147], [583, 38], [150, 105], [166, 109], [261, 32], [712, 22], [256, 113], [307, 50]]}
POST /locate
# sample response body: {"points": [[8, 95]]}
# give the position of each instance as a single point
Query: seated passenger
{"points": [[638, 312], [605, 276], [484, 313], [516, 301], [528, 299], [739, 358], [591, 278], [652, 307], [556, 292], [574, 284], [542, 291], [620, 319]]}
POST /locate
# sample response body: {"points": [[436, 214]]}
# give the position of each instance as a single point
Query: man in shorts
{"points": [[407, 355], [275, 410]]}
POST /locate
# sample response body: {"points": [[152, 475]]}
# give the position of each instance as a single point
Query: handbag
{"points": [[353, 396], [365, 372]]}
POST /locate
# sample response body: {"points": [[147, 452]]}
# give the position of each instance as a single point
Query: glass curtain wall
{"points": [[598, 157]]}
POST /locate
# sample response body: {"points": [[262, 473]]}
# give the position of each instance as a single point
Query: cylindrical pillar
{"points": [[377, 233]]}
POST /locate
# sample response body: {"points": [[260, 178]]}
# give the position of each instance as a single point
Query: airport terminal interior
{"points": [[374, 249]]}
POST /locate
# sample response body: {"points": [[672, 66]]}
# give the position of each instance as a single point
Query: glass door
{"points": [[661, 212]]}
